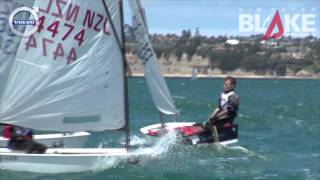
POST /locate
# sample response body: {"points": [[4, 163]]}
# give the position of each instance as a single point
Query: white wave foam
{"points": [[299, 122], [161, 146], [104, 163], [179, 97], [135, 141], [246, 151]]}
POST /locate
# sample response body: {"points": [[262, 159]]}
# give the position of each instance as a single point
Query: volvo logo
{"points": [[31, 21]]}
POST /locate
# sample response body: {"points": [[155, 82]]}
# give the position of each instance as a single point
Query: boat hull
{"points": [[69, 160], [59, 140], [189, 133]]}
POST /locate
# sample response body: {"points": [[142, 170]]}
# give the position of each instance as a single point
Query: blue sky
{"points": [[221, 17]]}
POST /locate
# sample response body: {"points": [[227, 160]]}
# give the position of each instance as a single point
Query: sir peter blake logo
{"points": [[18, 20], [278, 22]]}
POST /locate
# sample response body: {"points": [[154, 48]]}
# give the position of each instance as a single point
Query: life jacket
{"points": [[224, 99], [6, 131], [227, 121]]}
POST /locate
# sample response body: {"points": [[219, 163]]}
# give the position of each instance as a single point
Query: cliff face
{"points": [[172, 65], [213, 56], [184, 68]]}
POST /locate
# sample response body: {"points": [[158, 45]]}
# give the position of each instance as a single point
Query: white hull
{"points": [[170, 127], [68, 160], [60, 140]]}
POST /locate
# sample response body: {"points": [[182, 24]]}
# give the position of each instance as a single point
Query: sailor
{"points": [[22, 139], [224, 115]]}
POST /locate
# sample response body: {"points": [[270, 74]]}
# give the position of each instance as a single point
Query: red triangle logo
{"points": [[276, 21]]}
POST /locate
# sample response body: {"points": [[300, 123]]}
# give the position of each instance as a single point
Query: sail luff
{"points": [[121, 44], [143, 14]]}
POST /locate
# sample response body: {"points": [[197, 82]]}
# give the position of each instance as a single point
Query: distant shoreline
{"points": [[202, 76]]}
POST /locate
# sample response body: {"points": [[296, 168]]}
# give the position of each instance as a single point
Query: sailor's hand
{"points": [[212, 120], [212, 115]]}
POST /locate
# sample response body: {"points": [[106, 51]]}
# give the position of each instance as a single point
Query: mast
{"points": [[125, 71], [161, 120]]}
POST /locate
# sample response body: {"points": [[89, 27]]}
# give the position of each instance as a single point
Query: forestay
{"points": [[68, 76], [156, 83]]}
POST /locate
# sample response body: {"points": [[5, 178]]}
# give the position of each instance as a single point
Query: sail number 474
{"points": [[68, 30]]}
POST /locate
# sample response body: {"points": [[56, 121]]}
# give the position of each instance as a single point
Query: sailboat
{"points": [[71, 75], [194, 73], [10, 44], [189, 132]]}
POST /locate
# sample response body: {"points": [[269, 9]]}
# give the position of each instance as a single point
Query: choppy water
{"points": [[279, 124]]}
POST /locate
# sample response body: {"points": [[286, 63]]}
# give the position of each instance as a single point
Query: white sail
{"points": [[69, 76], [157, 86], [194, 73], [9, 42]]}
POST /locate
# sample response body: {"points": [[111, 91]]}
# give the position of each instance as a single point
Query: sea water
{"points": [[279, 132]]}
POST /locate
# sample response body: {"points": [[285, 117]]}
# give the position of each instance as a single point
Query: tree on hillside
{"points": [[192, 46], [227, 61]]}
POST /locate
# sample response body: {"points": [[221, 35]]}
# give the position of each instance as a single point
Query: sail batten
{"points": [[157, 86], [68, 76]]}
